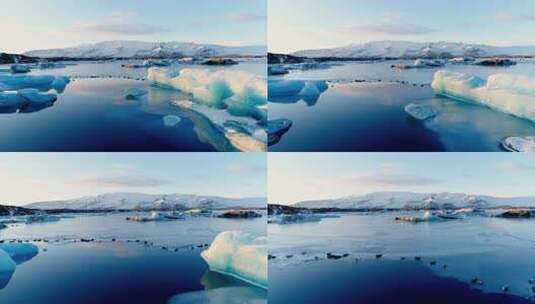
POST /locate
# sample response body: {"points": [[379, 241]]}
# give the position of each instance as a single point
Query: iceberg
{"points": [[239, 254], [276, 128], [20, 68], [519, 144], [20, 253], [240, 91], [420, 111], [135, 93], [508, 93], [10, 102], [34, 96], [7, 268], [291, 91], [244, 133], [17, 82], [60, 83], [41, 218]]}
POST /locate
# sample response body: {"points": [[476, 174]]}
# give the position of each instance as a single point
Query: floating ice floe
{"points": [[244, 133], [290, 91], [34, 96], [421, 111], [276, 128], [41, 218], [277, 70], [156, 217], [420, 63], [519, 144], [228, 295], [20, 68], [240, 92], [508, 93], [17, 82], [239, 254], [171, 120], [135, 93]]}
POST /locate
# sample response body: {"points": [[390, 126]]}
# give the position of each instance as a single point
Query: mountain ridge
{"points": [[413, 200], [142, 49], [142, 201], [396, 49]]}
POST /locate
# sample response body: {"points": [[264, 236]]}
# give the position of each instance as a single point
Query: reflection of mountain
{"points": [[139, 201], [138, 49], [412, 50], [410, 200]]}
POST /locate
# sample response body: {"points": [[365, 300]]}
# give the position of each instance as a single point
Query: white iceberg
{"points": [[240, 255], [135, 93], [20, 252], [421, 111], [240, 91], [171, 120], [511, 94], [244, 133], [519, 144]]}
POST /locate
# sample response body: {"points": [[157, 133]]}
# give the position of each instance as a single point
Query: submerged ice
{"points": [[420, 111], [508, 93], [239, 254]]}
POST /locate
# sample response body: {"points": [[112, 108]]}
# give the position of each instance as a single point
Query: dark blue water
{"points": [[378, 282], [371, 117], [93, 115], [111, 273]]}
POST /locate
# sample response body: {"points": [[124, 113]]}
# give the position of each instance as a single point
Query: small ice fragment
{"points": [[420, 111], [239, 254], [135, 93], [519, 144], [171, 120]]}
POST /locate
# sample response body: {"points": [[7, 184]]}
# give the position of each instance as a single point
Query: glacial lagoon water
{"points": [[496, 251], [118, 266], [369, 115], [92, 114]]}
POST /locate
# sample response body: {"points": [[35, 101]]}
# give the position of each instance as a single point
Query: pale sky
{"points": [[30, 177], [42, 24], [295, 177], [309, 24]]}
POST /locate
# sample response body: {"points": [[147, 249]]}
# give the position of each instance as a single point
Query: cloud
{"points": [[127, 29], [389, 29], [124, 181], [244, 17], [393, 180], [506, 17]]}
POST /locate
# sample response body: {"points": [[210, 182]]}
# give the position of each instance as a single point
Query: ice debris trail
{"points": [[239, 254], [241, 93], [508, 93]]}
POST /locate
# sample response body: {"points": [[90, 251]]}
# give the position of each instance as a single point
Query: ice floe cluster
{"points": [[508, 93], [28, 93], [239, 254], [291, 91]]}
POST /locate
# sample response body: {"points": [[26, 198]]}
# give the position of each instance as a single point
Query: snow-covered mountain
{"points": [[133, 201], [410, 200], [412, 50], [138, 49]]}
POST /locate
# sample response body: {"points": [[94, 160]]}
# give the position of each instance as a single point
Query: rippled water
{"points": [[118, 266], [498, 251]]}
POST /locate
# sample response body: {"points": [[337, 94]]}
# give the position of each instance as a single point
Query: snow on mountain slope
{"points": [[410, 200], [130, 201], [138, 49], [411, 50]]}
